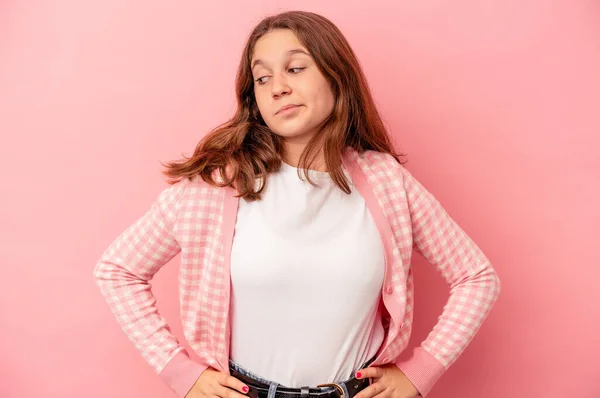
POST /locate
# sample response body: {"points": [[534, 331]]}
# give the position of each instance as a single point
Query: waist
{"points": [[263, 388]]}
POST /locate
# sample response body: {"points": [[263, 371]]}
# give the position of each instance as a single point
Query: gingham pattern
{"points": [[125, 269], [187, 218], [192, 217], [419, 222]]}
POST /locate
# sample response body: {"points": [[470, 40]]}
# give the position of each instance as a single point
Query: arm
{"points": [[123, 273], [474, 285]]}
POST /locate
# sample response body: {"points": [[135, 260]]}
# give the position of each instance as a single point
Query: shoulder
{"points": [[175, 194], [169, 199], [371, 158], [190, 195], [375, 163], [196, 187]]}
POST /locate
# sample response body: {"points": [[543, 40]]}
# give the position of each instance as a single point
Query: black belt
{"points": [[258, 389]]}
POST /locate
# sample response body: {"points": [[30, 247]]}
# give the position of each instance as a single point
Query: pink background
{"points": [[496, 102]]}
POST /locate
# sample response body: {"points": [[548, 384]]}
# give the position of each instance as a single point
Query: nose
{"points": [[280, 86]]}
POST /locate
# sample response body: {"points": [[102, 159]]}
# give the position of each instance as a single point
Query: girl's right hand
{"points": [[213, 383]]}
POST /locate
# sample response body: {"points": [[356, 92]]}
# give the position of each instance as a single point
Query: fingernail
{"points": [[245, 389], [357, 374]]}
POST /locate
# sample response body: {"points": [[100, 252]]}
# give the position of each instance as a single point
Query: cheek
{"points": [[324, 98], [262, 106]]}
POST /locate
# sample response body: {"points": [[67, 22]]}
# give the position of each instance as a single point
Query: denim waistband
{"points": [[273, 385]]}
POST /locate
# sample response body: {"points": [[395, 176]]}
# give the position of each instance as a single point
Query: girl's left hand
{"points": [[388, 381]]}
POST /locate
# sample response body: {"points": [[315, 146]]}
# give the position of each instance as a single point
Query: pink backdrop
{"points": [[496, 102]]}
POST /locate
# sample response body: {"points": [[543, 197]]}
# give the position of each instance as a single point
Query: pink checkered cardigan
{"points": [[198, 220]]}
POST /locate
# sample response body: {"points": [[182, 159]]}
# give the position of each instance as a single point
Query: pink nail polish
{"points": [[358, 374], [245, 389]]}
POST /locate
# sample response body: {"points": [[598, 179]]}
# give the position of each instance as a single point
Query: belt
{"points": [[259, 389]]}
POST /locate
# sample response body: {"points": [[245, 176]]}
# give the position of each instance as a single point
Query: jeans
{"points": [[273, 385]]}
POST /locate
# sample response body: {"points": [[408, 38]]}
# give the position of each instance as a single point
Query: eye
{"points": [[261, 82]]}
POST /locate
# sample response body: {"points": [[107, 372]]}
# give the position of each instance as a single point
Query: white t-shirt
{"points": [[307, 267]]}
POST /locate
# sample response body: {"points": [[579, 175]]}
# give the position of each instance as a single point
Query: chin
{"points": [[291, 134], [290, 131]]}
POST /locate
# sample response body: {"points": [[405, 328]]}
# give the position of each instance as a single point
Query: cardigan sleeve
{"points": [[474, 285], [123, 274]]}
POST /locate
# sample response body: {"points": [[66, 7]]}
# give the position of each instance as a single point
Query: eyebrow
{"points": [[291, 52]]}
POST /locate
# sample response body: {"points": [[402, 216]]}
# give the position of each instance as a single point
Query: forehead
{"points": [[276, 45]]}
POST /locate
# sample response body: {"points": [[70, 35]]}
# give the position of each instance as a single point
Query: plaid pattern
{"points": [[418, 221], [197, 220]]}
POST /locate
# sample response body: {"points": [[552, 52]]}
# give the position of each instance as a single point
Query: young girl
{"points": [[296, 222]]}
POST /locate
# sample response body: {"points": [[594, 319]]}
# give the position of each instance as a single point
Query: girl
{"points": [[296, 221]]}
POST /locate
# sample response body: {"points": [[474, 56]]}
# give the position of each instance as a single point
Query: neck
{"points": [[293, 148], [292, 157]]}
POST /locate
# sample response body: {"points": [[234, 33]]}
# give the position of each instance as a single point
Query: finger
{"points": [[233, 383], [383, 394], [372, 372], [226, 392], [371, 391]]}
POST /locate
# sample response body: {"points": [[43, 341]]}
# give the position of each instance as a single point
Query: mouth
{"points": [[287, 108]]}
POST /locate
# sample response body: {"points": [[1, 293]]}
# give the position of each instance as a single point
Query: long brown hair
{"points": [[244, 148]]}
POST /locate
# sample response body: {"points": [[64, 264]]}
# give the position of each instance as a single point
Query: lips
{"points": [[283, 108]]}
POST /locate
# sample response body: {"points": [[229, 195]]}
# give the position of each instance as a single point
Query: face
{"points": [[285, 74]]}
